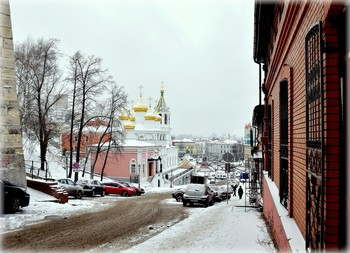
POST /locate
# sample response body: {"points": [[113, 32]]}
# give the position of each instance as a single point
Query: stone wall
{"points": [[11, 148]]}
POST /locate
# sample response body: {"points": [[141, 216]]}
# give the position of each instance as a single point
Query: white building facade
{"points": [[149, 126]]}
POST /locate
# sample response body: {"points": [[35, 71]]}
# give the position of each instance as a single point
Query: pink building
{"points": [[135, 161]]}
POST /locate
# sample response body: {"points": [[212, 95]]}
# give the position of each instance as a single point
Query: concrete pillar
{"points": [[11, 148]]}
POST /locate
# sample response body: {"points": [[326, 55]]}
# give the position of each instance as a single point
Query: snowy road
{"points": [[127, 221]]}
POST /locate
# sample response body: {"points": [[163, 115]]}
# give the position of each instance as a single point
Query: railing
{"points": [[36, 172]]}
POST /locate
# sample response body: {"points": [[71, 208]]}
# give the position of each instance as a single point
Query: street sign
{"points": [[76, 166], [228, 157]]}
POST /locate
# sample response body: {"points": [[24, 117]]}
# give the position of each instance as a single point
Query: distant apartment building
{"points": [[60, 110], [217, 148], [301, 51], [188, 146]]}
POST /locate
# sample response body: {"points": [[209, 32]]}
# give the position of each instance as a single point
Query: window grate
{"points": [[284, 169], [314, 138]]}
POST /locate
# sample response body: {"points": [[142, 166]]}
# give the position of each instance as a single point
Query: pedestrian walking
{"points": [[234, 188], [240, 192]]}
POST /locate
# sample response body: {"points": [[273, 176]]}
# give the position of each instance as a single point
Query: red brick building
{"points": [[91, 136], [301, 50]]}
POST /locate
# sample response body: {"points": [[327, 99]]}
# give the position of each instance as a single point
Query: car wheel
{"points": [[206, 203], [124, 193], [79, 195], [93, 193], [178, 197], [15, 205], [138, 193], [103, 193], [184, 203]]}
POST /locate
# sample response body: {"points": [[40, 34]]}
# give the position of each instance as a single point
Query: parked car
{"points": [[221, 192], [92, 187], [13, 197], [118, 188], [178, 194], [139, 190], [198, 193], [71, 188]]}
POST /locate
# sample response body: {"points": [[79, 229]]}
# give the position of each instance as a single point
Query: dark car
{"points": [[118, 188], [199, 194], [221, 192], [71, 188], [92, 187], [139, 190], [13, 197], [178, 194]]}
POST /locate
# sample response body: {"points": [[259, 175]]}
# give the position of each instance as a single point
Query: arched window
{"points": [[133, 166]]}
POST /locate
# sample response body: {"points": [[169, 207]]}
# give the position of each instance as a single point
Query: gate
{"points": [[314, 138]]}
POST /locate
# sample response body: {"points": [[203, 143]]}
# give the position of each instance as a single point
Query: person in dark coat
{"points": [[240, 192], [234, 188]]}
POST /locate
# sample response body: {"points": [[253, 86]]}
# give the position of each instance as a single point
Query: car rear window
{"points": [[195, 187]]}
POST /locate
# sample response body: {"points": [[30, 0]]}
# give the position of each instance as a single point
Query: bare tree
{"points": [[73, 79], [89, 80], [39, 89], [117, 102]]}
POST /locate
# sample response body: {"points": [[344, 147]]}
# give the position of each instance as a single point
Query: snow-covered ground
{"points": [[224, 227]]}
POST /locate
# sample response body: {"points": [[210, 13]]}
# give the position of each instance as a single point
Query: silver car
{"points": [[198, 193], [71, 188]]}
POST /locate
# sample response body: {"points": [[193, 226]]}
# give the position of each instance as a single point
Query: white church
{"points": [[147, 152]]}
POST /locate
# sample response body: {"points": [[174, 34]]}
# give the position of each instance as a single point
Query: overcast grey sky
{"points": [[201, 49]]}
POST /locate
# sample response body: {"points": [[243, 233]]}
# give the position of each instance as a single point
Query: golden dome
{"points": [[129, 125], [157, 117], [132, 116], [123, 116], [149, 115], [140, 107]]}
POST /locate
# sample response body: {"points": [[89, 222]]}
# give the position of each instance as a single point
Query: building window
{"points": [[86, 138], [76, 138], [314, 137], [133, 167], [284, 168], [270, 140]]}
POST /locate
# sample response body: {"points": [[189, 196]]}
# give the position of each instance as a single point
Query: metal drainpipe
{"points": [[347, 134], [259, 83]]}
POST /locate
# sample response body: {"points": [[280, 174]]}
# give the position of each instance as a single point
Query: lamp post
{"points": [[139, 165], [139, 159]]}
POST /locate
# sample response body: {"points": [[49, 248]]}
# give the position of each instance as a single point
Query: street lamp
{"points": [[139, 165]]}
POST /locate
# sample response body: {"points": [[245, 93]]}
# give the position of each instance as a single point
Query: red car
{"points": [[118, 188]]}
